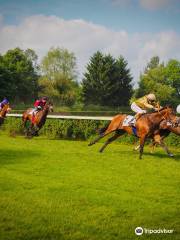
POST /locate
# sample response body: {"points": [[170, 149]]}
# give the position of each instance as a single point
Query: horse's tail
{"points": [[103, 129]]}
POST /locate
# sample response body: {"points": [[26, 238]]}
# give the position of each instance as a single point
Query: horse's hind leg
{"points": [[163, 145], [159, 140], [96, 140], [111, 139]]}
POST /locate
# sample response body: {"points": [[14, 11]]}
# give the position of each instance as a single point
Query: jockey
{"points": [[142, 104], [38, 106], [4, 102], [40, 103], [178, 109]]}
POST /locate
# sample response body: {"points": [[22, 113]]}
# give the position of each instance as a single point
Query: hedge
{"points": [[72, 129]]}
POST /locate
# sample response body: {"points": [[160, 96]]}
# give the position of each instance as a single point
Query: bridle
{"points": [[169, 121]]}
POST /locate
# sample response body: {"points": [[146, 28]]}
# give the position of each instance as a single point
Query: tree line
{"points": [[107, 81]]}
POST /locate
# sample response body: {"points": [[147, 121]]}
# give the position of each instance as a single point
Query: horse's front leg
{"points": [[30, 130], [36, 130], [152, 146], [26, 127], [142, 142]]}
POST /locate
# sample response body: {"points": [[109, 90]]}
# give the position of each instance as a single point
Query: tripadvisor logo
{"points": [[139, 231]]}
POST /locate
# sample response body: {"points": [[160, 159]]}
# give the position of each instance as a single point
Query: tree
{"points": [[123, 83], [161, 79], [173, 78], [59, 60], [5, 80], [19, 76], [33, 58], [58, 79], [107, 81], [153, 63]]}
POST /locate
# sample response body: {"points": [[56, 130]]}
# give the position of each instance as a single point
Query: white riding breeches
{"points": [[178, 109], [136, 108]]}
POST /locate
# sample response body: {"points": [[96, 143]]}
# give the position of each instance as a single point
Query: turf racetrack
{"points": [[57, 189]]}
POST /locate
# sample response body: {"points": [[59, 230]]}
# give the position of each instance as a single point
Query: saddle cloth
{"points": [[33, 112], [129, 121]]}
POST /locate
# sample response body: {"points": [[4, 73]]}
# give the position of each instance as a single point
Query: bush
{"points": [[13, 126], [73, 129]]}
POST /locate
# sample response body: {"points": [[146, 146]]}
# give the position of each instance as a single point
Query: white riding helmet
{"points": [[151, 97], [178, 109]]}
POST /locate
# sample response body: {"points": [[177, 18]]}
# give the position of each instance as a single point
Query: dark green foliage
{"points": [[107, 81], [173, 78], [161, 79], [5, 80], [13, 126], [73, 129], [18, 77]]}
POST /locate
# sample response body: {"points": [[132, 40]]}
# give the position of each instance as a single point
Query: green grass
{"points": [[57, 189]]}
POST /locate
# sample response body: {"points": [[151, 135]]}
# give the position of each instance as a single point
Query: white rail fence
{"points": [[67, 117]]}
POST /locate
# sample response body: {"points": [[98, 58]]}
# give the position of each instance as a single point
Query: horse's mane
{"points": [[163, 108], [158, 111]]}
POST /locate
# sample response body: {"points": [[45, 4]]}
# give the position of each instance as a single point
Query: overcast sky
{"points": [[136, 29]]}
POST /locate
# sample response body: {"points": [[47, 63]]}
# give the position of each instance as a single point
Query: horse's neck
{"points": [[3, 112], [158, 117], [45, 112]]}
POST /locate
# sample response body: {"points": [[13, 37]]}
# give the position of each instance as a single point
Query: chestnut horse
{"points": [[36, 122], [164, 130], [3, 112], [145, 127]]}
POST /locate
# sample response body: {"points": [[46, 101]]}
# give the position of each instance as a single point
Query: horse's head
{"points": [[169, 115], [49, 106], [6, 108]]}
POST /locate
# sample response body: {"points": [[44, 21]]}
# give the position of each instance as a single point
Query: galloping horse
{"points": [[3, 112], [145, 127], [164, 130], [37, 121]]}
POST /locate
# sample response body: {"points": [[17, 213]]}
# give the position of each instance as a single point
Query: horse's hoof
{"points": [[137, 148]]}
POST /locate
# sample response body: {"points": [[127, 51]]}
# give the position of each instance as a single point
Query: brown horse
{"points": [[164, 130], [37, 121], [3, 112], [145, 127]]}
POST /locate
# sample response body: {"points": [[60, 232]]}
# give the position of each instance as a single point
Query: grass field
{"points": [[57, 189]]}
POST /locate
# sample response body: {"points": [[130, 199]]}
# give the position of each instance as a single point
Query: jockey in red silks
{"points": [[40, 103], [38, 106]]}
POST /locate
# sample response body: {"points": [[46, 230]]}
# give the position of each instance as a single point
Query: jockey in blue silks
{"points": [[3, 103]]}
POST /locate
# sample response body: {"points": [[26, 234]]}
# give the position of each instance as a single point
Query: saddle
{"points": [[33, 112], [129, 121]]}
